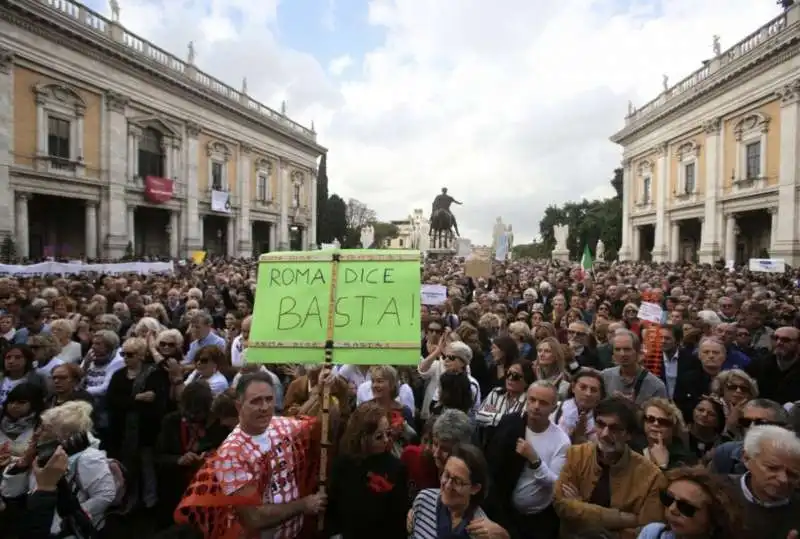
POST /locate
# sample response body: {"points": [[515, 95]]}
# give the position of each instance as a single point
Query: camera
{"points": [[72, 445]]}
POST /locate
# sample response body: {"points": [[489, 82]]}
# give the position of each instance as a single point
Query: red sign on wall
{"points": [[158, 190]]}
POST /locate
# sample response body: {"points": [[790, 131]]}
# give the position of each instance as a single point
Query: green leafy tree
{"points": [[383, 232], [8, 250], [335, 219], [536, 249]]}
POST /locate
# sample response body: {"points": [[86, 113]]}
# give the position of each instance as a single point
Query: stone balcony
{"points": [[115, 33], [778, 32]]}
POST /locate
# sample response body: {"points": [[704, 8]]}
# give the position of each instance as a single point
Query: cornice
{"points": [[76, 36], [777, 51], [6, 60], [789, 94]]}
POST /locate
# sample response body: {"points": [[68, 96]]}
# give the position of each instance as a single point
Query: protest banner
{"points": [[364, 303]]}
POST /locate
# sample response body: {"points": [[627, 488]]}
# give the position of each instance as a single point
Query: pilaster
{"points": [[118, 159], [194, 242], [91, 229], [285, 189], [174, 234], [660, 250], [786, 245], [627, 175], [22, 226], [245, 242], [710, 250], [312, 233], [6, 141]]}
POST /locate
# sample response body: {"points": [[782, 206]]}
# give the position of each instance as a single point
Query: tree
{"points": [[335, 220], [383, 232], [359, 214], [530, 250], [588, 221], [322, 200], [8, 250]]}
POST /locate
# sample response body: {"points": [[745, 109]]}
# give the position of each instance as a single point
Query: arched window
{"points": [[151, 154]]}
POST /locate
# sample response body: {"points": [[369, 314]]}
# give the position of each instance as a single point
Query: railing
{"points": [[114, 31], [693, 81]]}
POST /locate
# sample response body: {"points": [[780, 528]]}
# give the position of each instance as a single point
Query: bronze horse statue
{"points": [[441, 228]]}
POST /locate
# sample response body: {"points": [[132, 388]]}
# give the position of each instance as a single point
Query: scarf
{"points": [[13, 428], [444, 523]]}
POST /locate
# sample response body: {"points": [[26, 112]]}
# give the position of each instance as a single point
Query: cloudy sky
{"points": [[508, 103]]}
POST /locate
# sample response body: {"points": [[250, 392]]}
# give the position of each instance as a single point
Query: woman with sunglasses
{"points": [[735, 388], [697, 505], [368, 485], [664, 433], [509, 399]]}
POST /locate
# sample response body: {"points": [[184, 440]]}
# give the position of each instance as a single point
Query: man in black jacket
{"points": [[525, 458], [778, 373]]}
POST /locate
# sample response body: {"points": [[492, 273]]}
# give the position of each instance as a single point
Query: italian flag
{"points": [[587, 264]]}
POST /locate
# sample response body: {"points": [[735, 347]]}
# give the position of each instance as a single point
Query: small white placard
{"points": [[433, 294], [650, 312], [767, 265]]}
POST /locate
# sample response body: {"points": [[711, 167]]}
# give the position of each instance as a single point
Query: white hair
{"points": [[73, 417], [779, 438], [709, 317]]}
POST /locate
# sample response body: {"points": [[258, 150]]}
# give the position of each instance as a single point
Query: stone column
{"points": [[201, 230], [304, 238], [169, 160], [660, 248], [312, 233], [230, 234], [22, 225], [730, 237], [636, 248], [120, 162], [91, 229], [191, 157], [132, 227], [675, 241], [284, 185], [273, 236], [174, 234], [773, 233], [710, 248], [245, 243], [785, 243], [625, 248], [7, 224]]}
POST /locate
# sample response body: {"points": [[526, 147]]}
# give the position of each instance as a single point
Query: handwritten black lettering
{"points": [[295, 276], [387, 276], [289, 318], [369, 276], [363, 310], [390, 310]]}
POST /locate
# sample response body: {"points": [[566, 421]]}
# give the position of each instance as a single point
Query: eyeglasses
{"points": [[613, 428], [660, 421], [457, 482], [513, 376], [746, 422], [685, 508], [744, 388], [167, 343]]}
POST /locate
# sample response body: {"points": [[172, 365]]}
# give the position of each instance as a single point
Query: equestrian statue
{"points": [[443, 222]]}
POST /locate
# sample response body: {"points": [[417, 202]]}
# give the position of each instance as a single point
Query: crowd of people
{"points": [[542, 407]]}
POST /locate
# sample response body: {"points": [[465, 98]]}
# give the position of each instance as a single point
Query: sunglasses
{"points": [[513, 376], [746, 422], [434, 330], [660, 421], [738, 387], [167, 343], [685, 508]]}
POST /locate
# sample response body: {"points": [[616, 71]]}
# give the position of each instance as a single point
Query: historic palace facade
{"points": [[711, 165], [110, 145]]}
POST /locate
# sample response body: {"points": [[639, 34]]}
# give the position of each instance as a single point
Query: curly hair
{"points": [[363, 423], [725, 511]]}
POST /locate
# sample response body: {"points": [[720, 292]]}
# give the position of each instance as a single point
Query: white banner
{"points": [[433, 294], [221, 201], [62, 268], [767, 265]]}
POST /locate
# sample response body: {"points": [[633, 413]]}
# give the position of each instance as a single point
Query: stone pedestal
{"points": [[560, 254]]}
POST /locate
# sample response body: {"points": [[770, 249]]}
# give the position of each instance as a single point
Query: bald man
{"points": [[778, 373]]}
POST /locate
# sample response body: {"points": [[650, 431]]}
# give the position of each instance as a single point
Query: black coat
{"points": [[505, 467], [773, 383]]}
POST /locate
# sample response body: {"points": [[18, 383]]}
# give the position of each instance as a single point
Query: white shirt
{"points": [[568, 416], [237, 357], [534, 490], [47, 370], [353, 374], [405, 396], [217, 382], [496, 405]]}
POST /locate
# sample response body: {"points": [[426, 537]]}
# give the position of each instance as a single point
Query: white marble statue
{"points": [[191, 54], [716, 46], [665, 82], [600, 250], [367, 236], [497, 233], [424, 235], [336, 243], [114, 5], [510, 237], [283, 107], [244, 85], [561, 233]]}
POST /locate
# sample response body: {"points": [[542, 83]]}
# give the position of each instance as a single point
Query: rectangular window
{"points": [[752, 154], [261, 188], [58, 134], [688, 178], [216, 176], [296, 196], [646, 191], [151, 154]]}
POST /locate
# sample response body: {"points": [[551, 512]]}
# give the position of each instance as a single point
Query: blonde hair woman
{"points": [[550, 365], [385, 391], [665, 436], [62, 329], [735, 388]]}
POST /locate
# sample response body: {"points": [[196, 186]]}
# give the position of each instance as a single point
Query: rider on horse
{"points": [[442, 203]]}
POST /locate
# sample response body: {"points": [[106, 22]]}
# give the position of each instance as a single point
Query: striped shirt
{"points": [[423, 515]]}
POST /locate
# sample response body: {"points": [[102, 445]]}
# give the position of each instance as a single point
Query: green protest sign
{"points": [[366, 302]]}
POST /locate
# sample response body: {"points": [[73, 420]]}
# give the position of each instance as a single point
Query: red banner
{"points": [[158, 190]]}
